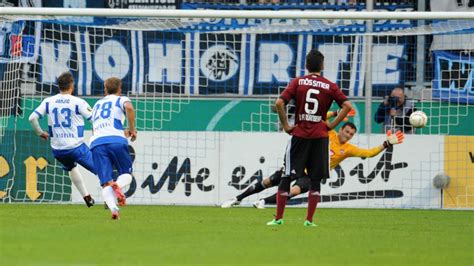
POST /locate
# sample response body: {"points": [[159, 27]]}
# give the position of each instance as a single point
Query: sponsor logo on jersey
{"points": [[311, 118]]}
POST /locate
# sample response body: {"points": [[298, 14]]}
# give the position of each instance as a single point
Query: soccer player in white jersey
{"points": [[109, 144], [65, 114]]}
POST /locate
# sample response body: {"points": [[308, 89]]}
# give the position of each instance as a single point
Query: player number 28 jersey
{"points": [[108, 116], [65, 115]]}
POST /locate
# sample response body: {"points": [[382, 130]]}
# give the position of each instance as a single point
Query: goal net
{"points": [[204, 89]]}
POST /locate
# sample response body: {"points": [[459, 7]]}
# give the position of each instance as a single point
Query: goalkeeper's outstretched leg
{"points": [[268, 182]]}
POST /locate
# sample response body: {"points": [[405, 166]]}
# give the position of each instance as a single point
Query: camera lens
{"points": [[392, 101]]}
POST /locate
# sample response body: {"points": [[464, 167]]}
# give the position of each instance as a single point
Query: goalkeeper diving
{"points": [[340, 149]]}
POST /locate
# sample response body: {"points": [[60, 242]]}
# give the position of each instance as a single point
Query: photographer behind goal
{"points": [[394, 112]]}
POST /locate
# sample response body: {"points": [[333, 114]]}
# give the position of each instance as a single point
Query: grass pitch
{"points": [[161, 235]]}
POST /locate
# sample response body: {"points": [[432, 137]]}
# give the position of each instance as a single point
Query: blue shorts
{"points": [[108, 155], [79, 155]]}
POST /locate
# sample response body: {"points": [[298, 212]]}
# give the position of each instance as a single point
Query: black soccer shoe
{"points": [[89, 201]]}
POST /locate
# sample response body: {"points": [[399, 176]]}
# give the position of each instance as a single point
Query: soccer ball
{"points": [[418, 119], [441, 181]]}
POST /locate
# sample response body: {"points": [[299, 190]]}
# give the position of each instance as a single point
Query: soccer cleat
{"points": [[230, 203], [89, 201], [259, 204], [309, 224], [119, 194], [275, 222], [115, 215]]}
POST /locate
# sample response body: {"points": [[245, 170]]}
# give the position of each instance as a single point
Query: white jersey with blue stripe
{"points": [[65, 115], [108, 116]]}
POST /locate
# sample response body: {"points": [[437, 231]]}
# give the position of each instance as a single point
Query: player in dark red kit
{"points": [[309, 145]]}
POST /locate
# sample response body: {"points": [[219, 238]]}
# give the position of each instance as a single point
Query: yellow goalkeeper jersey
{"points": [[338, 152]]}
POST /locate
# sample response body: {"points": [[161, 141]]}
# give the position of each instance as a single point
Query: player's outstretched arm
{"points": [[366, 153], [130, 112], [392, 139]]}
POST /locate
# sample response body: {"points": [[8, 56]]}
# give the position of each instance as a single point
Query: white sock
{"points": [[124, 180], [78, 181], [109, 198]]}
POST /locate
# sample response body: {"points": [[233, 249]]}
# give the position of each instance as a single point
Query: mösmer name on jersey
{"points": [[314, 83]]}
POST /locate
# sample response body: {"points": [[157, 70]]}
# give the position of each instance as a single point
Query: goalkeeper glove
{"points": [[393, 139], [351, 113]]}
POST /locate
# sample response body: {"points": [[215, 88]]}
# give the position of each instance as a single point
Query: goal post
{"points": [[204, 82], [246, 14]]}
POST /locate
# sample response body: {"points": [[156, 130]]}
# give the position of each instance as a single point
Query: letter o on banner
{"points": [[111, 60]]}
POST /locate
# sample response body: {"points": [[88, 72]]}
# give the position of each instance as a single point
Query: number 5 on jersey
{"points": [[312, 100]]}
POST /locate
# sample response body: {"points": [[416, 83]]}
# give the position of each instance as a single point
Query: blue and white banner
{"points": [[454, 77], [19, 41], [210, 63], [196, 60]]}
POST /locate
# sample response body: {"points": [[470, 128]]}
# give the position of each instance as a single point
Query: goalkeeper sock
{"points": [[109, 198], [78, 181], [313, 199], [273, 199], [250, 191], [124, 180]]}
